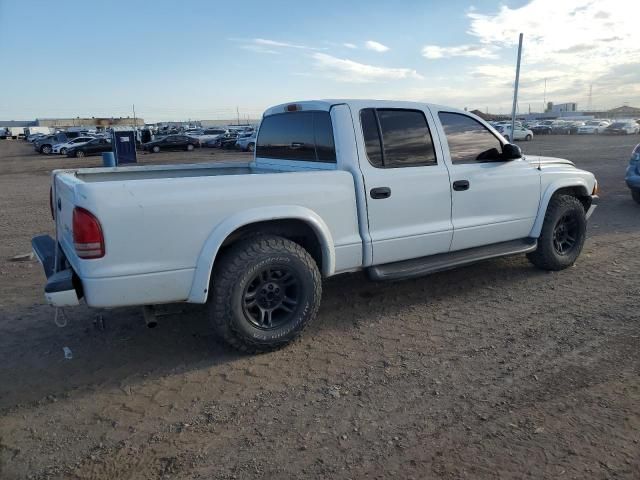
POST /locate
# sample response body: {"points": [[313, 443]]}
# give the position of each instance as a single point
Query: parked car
{"points": [[228, 140], [62, 148], [592, 127], [172, 142], [521, 133], [35, 136], [194, 132], [541, 129], [632, 176], [561, 127], [247, 142], [211, 134], [622, 128], [336, 186], [93, 147], [45, 144]]}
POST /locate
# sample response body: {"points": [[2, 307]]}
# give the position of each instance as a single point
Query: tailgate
{"points": [[63, 204]]}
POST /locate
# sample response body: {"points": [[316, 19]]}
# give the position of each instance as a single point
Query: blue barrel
{"points": [[108, 159]]}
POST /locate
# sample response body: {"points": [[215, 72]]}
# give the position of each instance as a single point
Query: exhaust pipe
{"points": [[150, 318]]}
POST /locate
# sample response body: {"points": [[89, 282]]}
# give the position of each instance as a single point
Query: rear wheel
{"points": [[562, 236], [265, 291], [155, 149], [46, 149], [251, 147], [79, 153], [528, 138], [189, 147], [63, 151], [635, 194]]}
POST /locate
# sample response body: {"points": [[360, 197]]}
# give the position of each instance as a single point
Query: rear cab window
{"points": [[305, 136]]}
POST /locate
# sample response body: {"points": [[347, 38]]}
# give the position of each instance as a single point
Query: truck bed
{"points": [[91, 175], [160, 221]]}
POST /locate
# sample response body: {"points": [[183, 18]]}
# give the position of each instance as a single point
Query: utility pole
{"points": [[515, 90], [589, 105], [544, 98], [135, 123], [238, 114]]}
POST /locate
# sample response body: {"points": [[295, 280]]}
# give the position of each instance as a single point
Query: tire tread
{"points": [[232, 265]]}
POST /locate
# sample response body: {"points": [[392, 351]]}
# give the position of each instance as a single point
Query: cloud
{"points": [[346, 70], [375, 46], [275, 43], [434, 51], [571, 43], [350, 45], [259, 49]]}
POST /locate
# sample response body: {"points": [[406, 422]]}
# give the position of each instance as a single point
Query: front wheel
{"points": [[189, 147], [528, 138], [63, 151], [635, 194], [562, 236], [79, 153], [155, 149], [46, 149], [265, 291]]}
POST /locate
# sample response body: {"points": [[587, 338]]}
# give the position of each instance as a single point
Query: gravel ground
{"points": [[497, 370]]}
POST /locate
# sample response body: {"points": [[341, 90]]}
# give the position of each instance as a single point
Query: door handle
{"points": [[380, 192], [460, 185]]}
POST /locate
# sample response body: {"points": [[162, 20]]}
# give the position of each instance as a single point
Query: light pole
{"points": [[515, 90]]}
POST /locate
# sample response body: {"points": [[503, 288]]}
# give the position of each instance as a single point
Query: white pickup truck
{"points": [[397, 189]]}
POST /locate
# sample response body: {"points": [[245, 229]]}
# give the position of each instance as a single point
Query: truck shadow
{"points": [[33, 366]]}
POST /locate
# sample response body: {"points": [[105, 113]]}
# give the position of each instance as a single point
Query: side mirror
{"points": [[511, 151]]}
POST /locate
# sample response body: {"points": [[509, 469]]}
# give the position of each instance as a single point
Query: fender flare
{"points": [[204, 265], [551, 189]]}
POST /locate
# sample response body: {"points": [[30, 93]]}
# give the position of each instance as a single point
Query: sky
{"points": [[209, 60]]}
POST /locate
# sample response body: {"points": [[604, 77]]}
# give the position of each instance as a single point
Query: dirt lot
{"points": [[497, 370]]}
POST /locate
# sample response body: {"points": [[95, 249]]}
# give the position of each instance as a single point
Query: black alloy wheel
{"points": [[271, 297], [565, 235]]}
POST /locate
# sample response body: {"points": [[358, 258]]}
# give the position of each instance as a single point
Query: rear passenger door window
{"points": [[397, 138], [301, 136], [469, 141]]}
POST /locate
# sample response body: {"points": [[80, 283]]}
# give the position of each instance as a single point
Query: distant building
{"points": [[17, 123], [104, 122], [619, 112], [562, 107], [223, 123]]}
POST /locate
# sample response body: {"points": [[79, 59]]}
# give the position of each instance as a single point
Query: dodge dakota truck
{"points": [[397, 189]]}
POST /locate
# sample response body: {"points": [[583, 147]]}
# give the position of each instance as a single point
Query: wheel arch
{"points": [[298, 224], [575, 187]]}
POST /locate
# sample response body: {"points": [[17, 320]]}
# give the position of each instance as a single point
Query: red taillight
{"points": [[87, 234], [53, 212]]}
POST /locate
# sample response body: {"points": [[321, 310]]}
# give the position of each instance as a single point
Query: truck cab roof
{"points": [[356, 104]]}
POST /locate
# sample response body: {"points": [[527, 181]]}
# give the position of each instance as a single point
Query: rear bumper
{"points": [[62, 288]]}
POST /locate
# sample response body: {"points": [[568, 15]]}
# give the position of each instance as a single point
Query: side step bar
{"points": [[445, 261]]}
